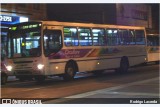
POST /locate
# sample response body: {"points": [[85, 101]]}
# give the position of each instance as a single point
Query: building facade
{"points": [[134, 15]]}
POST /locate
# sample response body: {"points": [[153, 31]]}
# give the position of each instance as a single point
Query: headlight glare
{"points": [[40, 66], [9, 68]]}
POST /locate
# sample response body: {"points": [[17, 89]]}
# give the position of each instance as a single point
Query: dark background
{"points": [[92, 13]]}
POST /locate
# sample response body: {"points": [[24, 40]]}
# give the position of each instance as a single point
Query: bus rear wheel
{"points": [[124, 65], [70, 71]]}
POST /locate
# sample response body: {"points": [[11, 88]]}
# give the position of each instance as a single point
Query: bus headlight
{"points": [[40, 66], [9, 67]]}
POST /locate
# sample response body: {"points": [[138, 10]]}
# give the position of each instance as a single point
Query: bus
{"points": [[52, 48], [153, 48]]}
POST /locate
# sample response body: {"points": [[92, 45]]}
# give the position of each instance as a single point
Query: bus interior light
{"points": [[115, 31], [109, 31], [96, 30], [73, 30]]}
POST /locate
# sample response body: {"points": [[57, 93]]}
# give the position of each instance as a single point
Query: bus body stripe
{"points": [[97, 59]]}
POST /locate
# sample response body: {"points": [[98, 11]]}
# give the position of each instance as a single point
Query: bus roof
{"points": [[75, 24]]}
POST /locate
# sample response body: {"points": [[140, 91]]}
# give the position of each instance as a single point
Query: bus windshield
{"points": [[24, 41]]}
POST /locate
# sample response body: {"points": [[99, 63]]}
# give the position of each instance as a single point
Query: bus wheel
{"points": [[124, 65], [70, 71], [3, 79], [40, 78]]}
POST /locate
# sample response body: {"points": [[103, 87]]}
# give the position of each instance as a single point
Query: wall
{"points": [[134, 15]]}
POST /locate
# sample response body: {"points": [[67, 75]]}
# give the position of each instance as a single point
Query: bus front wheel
{"points": [[70, 71]]}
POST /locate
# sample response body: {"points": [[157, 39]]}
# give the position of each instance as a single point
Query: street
{"points": [[139, 82]]}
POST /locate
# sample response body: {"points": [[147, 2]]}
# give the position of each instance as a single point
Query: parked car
{"points": [[4, 73]]}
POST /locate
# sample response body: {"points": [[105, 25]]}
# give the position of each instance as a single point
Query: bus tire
{"points": [[4, 79], [124, 65], [70, 71]]}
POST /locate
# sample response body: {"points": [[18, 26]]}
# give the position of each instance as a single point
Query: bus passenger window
{"points": [[98, 37], [124, 38], [112, 37], [140, 40], [85, 38], [132, 38], [70, 36]]}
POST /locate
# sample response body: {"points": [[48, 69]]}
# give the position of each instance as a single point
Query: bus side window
{"points": [[98, 37], [85, 38], [131, 36], [112, 37], [126, 37], [140, 38], [70, 36]]}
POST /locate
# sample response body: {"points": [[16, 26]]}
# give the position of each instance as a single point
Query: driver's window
{"points": [[52, 40]]}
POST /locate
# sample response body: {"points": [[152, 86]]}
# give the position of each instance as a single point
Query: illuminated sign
{"points": [[5, 19], [29, 26], [23, 27]]}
